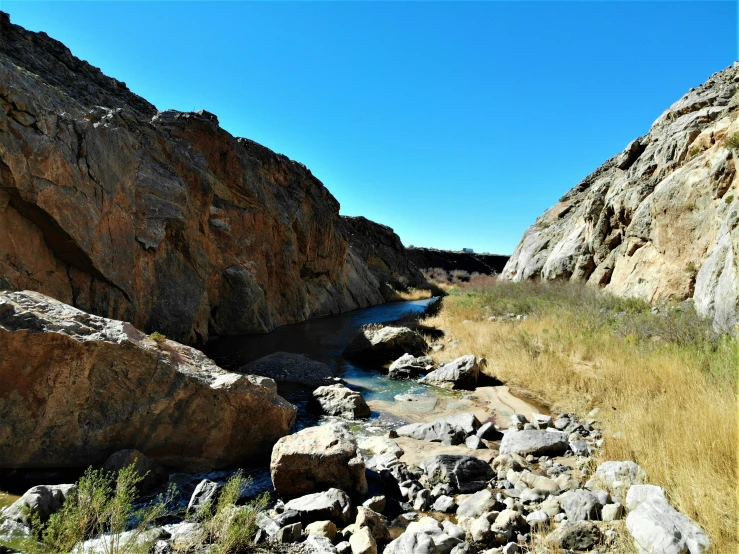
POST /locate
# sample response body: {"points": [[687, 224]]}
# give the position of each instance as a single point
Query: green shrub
{"points": [[733, 141], [694, 151], [102, 503], [158, 337], [729, 199]]}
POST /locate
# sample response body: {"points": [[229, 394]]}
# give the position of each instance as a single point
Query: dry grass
{"points": [[664, 382], [409, 294]]}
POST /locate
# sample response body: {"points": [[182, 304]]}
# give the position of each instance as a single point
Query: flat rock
{"points": [[477, 504], [315, 459], [534, 442], [333, 505], [462, 373], [658, 527]]}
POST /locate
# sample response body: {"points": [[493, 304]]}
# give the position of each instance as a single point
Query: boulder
{"points": [[657, 527], [437, 431], [618, 477], [580, 505], [535, 442], [410, 367], [474, 443], [319, 544], [445, 504], [379, 346], [581, 535], [411, 543], [612, 512], [333, 505], [80, 387], [204, 496], [462, 373], [44, 500], [464, 474], [152, 474], [376, 523], [339, 400], [315, 459], [289, 533], [488, 432], [477, 504], [641, 493], [376, 503], [380, 445], [285, 367], [362, 542]]}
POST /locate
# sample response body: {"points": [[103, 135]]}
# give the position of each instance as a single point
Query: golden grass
{"points": [[410, 294], [666, 388]]}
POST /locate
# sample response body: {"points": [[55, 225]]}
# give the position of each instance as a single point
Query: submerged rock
{"points": [[315, 459], [284, 367], [80, 387]]}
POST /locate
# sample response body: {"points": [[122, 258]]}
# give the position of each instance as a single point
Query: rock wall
{"points": [[162, 219], [471, 262], [659, 221], [77, 387]]}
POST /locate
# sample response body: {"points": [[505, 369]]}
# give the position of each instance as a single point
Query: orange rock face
{"points": [[77, 387], [159, 218]]}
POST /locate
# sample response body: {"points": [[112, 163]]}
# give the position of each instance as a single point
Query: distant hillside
{"points": [[427, 258]]}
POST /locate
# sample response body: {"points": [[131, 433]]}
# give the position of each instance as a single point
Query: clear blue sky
{"points": [[455, 123]]}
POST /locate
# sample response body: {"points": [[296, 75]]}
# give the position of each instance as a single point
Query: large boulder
{"points": [[151, 473], [284, 367], [464, 474], [78, 387], [338, 400], [449, 430], [332, 504], [379, 346], [43, 500], [657, 527], [316, 459], [462, 373], [412, 543], [410, 367], [535, 442], [618, 477]]}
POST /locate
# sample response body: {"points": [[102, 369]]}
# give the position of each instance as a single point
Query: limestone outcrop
{"points": [[660, 220], [160, 218], [78, 387]]}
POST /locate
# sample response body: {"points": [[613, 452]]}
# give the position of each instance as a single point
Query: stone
{"points": [[474, 443], [44, 500], [580, 505], [580, 448], [463, 474], [488, 432], [127, 541], [462, 373], [323, 528], [510, 548], [379, 346], [333, 504], [339, 400], [445, 504], [290, 533], [152, 474], [481, 530], [510, 520], [380, 445], [581, 535], [551, 506], [422, 500], [267, 524], [612, 512], [204, 496], [641, 493], [671, 245], [618, 477], [186, 534], [344, 547], [537, 518], [410, 367], [362, 542], [411, 543], [504, 462], [134, 393], [319, 544], [284, 367], [542, 421], [376, 523], [477, 504], [376, 503], [534, 442], [437, 431], [658, 527], [315, 459]]}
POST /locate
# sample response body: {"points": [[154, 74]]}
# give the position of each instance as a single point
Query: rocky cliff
{"points": [[448, 260], [159, 218], [661, 219]]}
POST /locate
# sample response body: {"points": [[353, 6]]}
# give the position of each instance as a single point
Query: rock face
{"points": [[658, 221], [471, 262], [78, 387], [315, 459], [162, 219]]}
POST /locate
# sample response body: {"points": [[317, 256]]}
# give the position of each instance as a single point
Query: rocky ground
{"points": [[474, 471]]}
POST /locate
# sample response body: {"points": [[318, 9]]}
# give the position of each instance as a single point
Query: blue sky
{"points": [[455, 123]]}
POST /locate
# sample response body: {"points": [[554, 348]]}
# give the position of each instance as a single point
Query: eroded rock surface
{"points": [[78, 387], [660, 220], [160, 218]]}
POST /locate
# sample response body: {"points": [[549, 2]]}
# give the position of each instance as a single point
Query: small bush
{"points": [[694, 151], [729, 199], [101, 504], [732, 141], [158, 337]]}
